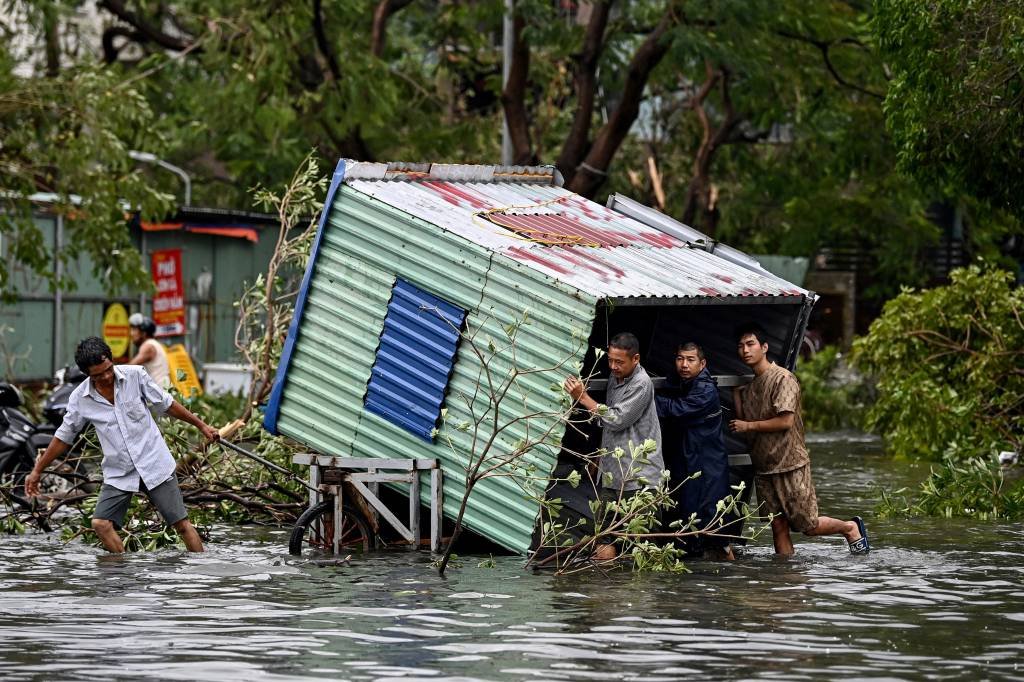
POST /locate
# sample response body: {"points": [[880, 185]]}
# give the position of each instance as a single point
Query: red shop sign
{"points": [[169, 302]]}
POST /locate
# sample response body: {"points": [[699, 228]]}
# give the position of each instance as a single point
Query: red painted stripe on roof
{"points": [[594, 255], [457, 195], [519, 253], [572, 255]]}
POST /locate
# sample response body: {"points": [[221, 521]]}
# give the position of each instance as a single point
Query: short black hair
{"points": [[626, 341], [690, 345], [751, 329], [91, 351]]}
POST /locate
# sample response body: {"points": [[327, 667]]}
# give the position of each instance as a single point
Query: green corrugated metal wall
{"points": [[232, 262], [366, 245]]}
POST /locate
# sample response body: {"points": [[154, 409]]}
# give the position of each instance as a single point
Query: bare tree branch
{"points": [[824, 46], [322, 43], [700, 193], [147, 31], [111, 51]]}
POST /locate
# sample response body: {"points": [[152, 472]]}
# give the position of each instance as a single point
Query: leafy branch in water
{"points": [[632, 523], [487, 421], [977, 488], [949, 364]]}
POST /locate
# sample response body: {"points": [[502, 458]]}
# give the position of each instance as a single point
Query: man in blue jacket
{"points": [[692, 420]]}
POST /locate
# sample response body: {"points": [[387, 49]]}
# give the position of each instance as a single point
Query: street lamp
{"points": [[146, 157]]}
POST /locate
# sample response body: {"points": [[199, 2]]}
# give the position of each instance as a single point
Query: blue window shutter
{"points": [[414, 359]]}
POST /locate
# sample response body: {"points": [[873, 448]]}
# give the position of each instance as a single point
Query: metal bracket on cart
{"points": [[365, 474]]}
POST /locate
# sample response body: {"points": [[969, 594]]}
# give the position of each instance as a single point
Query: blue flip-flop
{"points": [[861, 545]]}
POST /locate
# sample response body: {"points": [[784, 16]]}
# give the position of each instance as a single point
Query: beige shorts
{"points": [[791, 495]]}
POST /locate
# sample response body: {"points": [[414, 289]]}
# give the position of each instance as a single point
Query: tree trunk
{"points": [[381, 14], [513, 98], [701, 208], [51, 30], [592, 171], [585, 80]]}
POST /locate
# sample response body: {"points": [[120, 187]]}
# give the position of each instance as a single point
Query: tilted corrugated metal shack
{"points": [[364, 371]]}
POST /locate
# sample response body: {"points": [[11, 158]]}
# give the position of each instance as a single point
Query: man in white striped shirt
{"points": [[117, 401]]}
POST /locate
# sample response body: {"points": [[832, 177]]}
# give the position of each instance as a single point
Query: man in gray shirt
{"points": [[117, 400], [630, 418]]}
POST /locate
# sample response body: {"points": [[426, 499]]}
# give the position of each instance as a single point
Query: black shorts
{"points": [[166, 497]]}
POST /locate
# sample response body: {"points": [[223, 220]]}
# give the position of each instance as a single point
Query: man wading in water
{"points": [[692, 422], [629, 420], [769, 411], [117, 401]]}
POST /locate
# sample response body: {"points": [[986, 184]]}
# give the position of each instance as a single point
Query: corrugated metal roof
{"points": [[591, 247]]}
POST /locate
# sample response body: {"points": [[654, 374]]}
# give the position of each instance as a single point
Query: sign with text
{"points": [[115, 329], [183, 372], [169, 301]]}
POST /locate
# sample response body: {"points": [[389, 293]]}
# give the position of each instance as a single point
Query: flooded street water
{"points": [[935, 599]]}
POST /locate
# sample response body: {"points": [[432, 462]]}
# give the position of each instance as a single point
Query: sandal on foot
{"points": [[860, 545]]}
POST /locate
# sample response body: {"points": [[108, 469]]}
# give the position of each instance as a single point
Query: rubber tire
{"points": [[297, 541]]}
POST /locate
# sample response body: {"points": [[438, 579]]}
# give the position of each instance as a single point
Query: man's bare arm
{"points": [[737, 401], [144, 355], [56, 448], [782, 422], [179, 411]]}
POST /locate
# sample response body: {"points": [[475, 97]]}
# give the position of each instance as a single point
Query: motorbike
{"points": [[67, 380], [20, 437]]}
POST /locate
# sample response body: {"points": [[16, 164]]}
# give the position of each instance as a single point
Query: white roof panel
{"points": [[521, 213]]}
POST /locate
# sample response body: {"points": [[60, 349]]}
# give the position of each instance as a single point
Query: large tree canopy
{"points": [[66, 133], [757, 121], [955, 104]]}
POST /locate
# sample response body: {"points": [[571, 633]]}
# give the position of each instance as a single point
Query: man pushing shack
{"points": [[117, 400], [630, 419], [691, 415], [768, 411]]}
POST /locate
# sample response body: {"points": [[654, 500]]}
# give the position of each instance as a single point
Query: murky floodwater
{"points": [[935, 599]]}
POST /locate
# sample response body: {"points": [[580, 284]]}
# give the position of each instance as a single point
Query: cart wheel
{"points": [[314, 530]]}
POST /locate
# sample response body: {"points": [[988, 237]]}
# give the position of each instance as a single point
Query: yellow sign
{"points": [[115, 329], [181, 366]]}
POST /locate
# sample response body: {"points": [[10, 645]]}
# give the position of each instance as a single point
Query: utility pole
{"points": [[508, 37]]}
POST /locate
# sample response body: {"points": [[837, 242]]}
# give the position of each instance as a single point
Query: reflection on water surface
{"points": [[937, 598]]}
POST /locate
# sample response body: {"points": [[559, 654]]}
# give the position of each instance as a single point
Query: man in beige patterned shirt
{"points": [[768, 411]]}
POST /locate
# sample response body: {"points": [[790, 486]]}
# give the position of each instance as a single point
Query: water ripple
{"points": [[919, 606]]}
